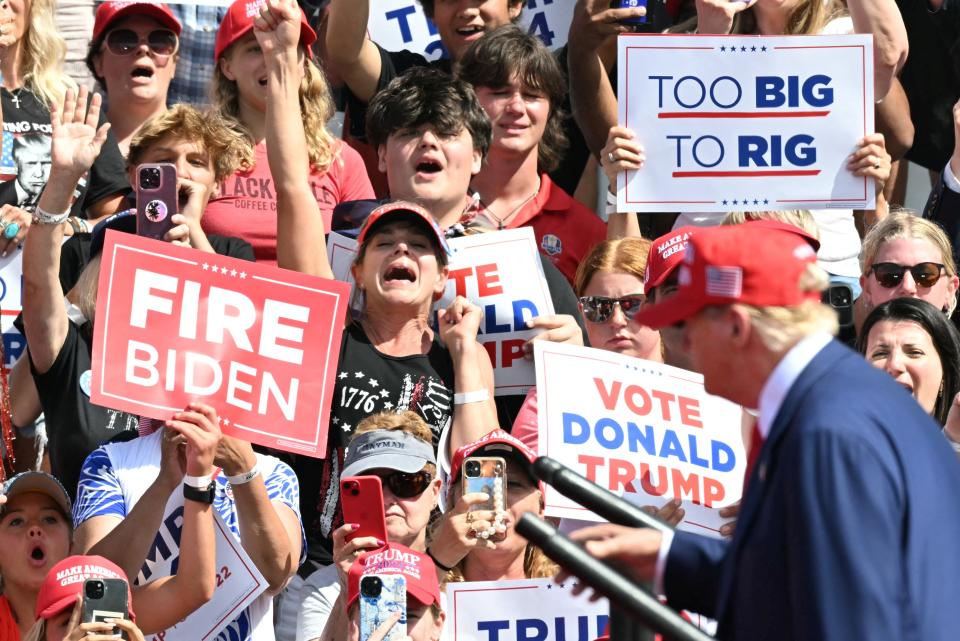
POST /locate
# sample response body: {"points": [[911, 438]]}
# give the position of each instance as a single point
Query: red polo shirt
{"points": [[564, 228]]}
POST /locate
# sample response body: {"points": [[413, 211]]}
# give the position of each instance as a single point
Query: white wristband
{"points": [[199, 482], [476, 396], [46, 218], [246, 477], [611, 198]]}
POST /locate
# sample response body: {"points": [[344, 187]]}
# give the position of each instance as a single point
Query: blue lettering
{"points": [[694, 459], [435, 51], [769, 92], [3, 289], [800, 150], [713, 92], [720, 449], [818, 98], [490, 321], [569, 420], [671, 447], [700, 85], [540, 28], [644, 437], [599, 431], [13, 346], [752, 149], [492, 628], [679, 139], [519, 307], [400, 15], [660, 80], [531, 630]]}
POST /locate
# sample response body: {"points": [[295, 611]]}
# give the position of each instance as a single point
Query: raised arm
{"points": [[350, 54], [75, 144], [300, 235], [882, 18]]}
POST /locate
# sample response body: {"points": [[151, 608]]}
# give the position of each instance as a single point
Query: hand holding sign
{"points": [[556, 328], [871, 159], [621, 153]]}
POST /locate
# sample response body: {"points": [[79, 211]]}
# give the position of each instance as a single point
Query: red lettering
{"points": [[459, 277], [712, 491], [689, 411], [488, 281], [630, 396], [491, 347], [608, 398], [510, 351], [592, 463], [665, 399], [646, 480], [684, 486], [621, 474]]}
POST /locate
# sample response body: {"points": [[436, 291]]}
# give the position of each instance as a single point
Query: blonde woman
{"points": [[246, 205], [31, 60]]}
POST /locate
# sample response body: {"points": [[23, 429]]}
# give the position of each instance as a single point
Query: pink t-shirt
{"points": [[246, 206], [525, 425]]}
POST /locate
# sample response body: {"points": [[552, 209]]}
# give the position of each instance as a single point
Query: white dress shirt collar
{"points": [[784, 375]]}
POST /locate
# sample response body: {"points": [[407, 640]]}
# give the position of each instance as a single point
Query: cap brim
{"points": [[675, 309], [57, 607], [386, 461], [421, 595], [148, 10], [42, 483]]}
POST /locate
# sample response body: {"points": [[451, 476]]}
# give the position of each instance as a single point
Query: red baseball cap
{"points": [[666, 253], [749, 263], [393, 558], [239, 20], [495, 443], [769, 223], [65, 581], [109, 12], [403, 209]]}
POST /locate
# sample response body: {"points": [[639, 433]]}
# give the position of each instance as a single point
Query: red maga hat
{"points": [[666, 254], [110, 12], [239, 20], [393, 558], [65, 581], [750, 263]]}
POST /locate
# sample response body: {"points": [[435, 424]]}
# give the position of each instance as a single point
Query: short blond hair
{"points": [[801, 218], [905, 224], [408, 421]]}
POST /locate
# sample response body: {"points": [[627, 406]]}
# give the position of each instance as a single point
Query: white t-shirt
{"points": [[116, 475]]}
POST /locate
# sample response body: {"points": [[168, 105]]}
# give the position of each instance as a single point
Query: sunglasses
{"points": [[890, 275], [599, 309], [405, 485], [123, 42]]}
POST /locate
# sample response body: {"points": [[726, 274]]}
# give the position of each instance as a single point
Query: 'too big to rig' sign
{"points": [[745, 123]]}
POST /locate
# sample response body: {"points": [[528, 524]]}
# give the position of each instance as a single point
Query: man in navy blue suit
{"points": [[849, 526]]}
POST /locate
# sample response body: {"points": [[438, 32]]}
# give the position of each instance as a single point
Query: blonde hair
{"points": [[224, 145], [808, 18], [43, 52], [536, 565], [801, 218], [316, 107], [87, 284], [626, 255], [408, 421], [904, 224], [38, 632]]}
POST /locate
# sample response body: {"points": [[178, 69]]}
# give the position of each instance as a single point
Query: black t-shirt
{"points": [[394, 63], [75, 426], [26, 154], [368, 382]]}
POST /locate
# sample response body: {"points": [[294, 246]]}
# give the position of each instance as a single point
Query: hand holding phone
{"points": [[105, 599], [156, 199], [382, 597], [362, 501]]}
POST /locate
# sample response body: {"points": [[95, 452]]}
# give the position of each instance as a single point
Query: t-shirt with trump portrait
{"points": [[25, 158], [246, 203]]}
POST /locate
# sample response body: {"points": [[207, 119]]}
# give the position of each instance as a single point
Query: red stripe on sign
{"points": [[742, 114], [745, 174]]}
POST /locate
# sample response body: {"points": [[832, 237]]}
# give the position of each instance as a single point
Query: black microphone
{"points": [[622, 591], [604, 503]]}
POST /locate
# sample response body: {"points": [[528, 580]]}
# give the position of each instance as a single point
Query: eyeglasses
{"points": [[599, 309], [405, 485], [123, 42], [889, 275]]}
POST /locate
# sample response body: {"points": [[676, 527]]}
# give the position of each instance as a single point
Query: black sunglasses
{"points": [[123, 42], [599, 309], [889, 275], [406, 485]]}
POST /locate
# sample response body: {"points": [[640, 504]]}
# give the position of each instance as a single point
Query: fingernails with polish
{"points": [[381, 542]]}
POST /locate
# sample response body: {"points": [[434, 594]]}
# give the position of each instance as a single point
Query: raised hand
{"points": [[459, 324], [716, 16], [200, 429], [76, 140], [278, 26]]}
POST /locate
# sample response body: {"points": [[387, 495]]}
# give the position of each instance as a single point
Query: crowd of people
{"points": [[500, 133]]}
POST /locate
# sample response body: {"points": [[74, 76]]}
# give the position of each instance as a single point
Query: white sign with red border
{"points": [[643, 430], [745, 123]]}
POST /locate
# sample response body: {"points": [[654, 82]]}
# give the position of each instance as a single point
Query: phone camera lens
{"points": [[371, 586], [472, 468], [149, 178], [498, 468], [94, 590]]}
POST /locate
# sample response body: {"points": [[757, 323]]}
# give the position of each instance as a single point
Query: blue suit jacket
{"points": [[850, 527]]}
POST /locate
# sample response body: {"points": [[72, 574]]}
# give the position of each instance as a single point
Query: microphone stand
{"points": [[626, 597]]}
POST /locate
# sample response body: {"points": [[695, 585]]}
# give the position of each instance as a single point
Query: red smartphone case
{"points": [[362, 500]]}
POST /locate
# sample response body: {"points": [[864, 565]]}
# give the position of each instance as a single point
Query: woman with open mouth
{"points": [[35, 530]]}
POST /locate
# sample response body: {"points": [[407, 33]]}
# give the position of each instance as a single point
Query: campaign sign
{"points": [[238, 584], [398, 25], [502, 273], [643, 430], [11, 292], [745, 123], [257, 342], [522, 610]]}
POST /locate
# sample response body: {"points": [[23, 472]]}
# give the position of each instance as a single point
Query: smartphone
{"points": [[156, 199], [362, 500], [380, 596], [105, 599], [486, 474], [655, 20]]}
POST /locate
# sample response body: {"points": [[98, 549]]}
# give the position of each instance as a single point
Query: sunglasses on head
{"points": [[890, 275], [599, 309], [406, 485], [123, 42]]}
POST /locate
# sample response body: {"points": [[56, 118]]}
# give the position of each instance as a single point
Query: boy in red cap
{"points": [[833, 539]]}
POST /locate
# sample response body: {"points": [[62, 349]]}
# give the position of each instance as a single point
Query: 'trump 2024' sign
{"points": [[746, 123], [258, 343]]}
